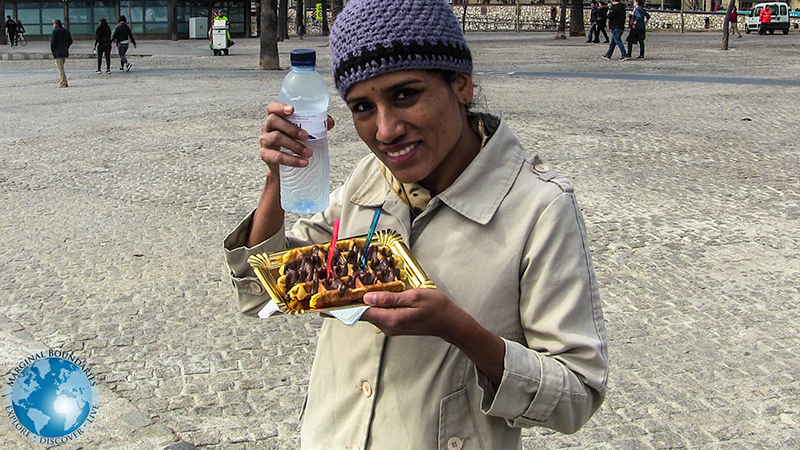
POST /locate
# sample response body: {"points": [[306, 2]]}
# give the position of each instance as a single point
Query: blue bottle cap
{"points": [[303, 57]]}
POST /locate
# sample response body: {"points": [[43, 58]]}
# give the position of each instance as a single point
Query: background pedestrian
{"points": [[636, 35], [11, 31], [602, 19], [123, 37], [734, 22], [60, 41], [616, 21], [592, 21], [102, 43]]}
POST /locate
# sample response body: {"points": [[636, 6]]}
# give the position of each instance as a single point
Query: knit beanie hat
{"points": [[374, 37]]}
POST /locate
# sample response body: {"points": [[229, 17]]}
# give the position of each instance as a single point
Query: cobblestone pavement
{"points": [[116, 193]]}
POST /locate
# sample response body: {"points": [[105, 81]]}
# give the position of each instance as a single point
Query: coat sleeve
{"points": [[557, 380], [249, 293]]}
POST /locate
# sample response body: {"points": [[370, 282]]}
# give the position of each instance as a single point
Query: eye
{"points": [[361, 107], [405, 94]]}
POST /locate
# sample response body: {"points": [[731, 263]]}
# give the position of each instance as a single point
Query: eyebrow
{"points": [[393, 87]]}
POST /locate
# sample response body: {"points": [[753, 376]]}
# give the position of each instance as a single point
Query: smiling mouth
{"points": [[401, 152]]}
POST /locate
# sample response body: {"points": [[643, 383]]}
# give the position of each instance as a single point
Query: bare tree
{"points": [[336, 8], [576, 27], [268, 57], [562, 21], [283, 20], [300, 17], [325, 28], [725, 30]]}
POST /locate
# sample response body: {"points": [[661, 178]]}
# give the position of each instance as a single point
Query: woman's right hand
{"points": [[277, 132]]}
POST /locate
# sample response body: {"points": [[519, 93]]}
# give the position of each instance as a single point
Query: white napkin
{"points": [[348, 316]]}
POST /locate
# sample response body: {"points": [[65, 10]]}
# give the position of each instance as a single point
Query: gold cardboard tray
{"points": [[267, 265]]}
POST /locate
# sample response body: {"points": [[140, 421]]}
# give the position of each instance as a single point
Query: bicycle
{"points": [[20, 40]]}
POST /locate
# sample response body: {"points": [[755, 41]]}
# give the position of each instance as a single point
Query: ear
{"points": [[463, 88]]}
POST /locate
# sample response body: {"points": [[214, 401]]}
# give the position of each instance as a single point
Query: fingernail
{"points": [[287, 109], [307, 152], [302, 135]]}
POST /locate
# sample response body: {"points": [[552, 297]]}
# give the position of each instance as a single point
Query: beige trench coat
{"points": [[507, 243]]}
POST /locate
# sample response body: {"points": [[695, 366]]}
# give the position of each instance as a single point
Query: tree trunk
{"points": [[562, 21], [300, 17], [268, 57], [325, 29], [336, 8], [725, 30], [3, 35], [283, 20], [576, 27], [464, 16]]}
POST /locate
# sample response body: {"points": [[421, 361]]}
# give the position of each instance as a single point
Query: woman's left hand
{"points": [[428, 312], [425, 312]]}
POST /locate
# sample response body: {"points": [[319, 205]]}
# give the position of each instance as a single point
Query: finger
{"points": [[275, 140], [281, 109], [275, 122], [330, 122], [275, 158], [387, 299]]}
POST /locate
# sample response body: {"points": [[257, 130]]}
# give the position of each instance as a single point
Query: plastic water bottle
{"points": [[305, 190]]}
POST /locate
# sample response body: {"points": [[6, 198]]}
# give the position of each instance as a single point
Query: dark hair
{"points": [[57, 22], [122, 19], [103, 21]]}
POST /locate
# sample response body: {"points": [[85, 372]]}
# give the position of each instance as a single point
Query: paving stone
{"points": [[113, 211]]}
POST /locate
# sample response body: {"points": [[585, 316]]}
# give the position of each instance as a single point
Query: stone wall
{"points": [[537, 18]]}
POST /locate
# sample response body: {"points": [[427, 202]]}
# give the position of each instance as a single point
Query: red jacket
{"points": [[765, 16]]}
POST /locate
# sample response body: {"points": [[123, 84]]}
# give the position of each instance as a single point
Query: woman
{"points": [[734, 22], [513, 336], [636, 35], [102, 45], [123, 37]]}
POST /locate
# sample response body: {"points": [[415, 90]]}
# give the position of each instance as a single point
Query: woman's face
{"points": [[415, 122]]}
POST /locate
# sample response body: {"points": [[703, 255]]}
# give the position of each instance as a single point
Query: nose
{"points": [[389, 126]]}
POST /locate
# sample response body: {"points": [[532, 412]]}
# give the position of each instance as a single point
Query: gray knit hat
{"points": [[374, 37]]}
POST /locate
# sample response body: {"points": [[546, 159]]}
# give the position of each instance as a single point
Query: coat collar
{"points": [[477, 192]]}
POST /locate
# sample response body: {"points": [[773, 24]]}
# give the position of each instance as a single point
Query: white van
{"points": [[780, 17]]}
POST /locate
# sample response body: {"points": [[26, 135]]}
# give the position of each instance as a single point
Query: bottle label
{"points": [[316, 125]]}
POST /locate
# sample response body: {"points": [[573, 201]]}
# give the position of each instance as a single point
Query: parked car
{"points": [[780, 17]]}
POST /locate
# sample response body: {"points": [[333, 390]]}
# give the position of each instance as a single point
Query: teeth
{"points": [[401, 152]]}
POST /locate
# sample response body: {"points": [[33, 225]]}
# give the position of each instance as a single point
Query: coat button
{"points": [[366, 389], [454, 443]]}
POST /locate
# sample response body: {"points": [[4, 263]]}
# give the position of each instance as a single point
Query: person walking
{"points": [[636, 34], [616, 21], [734, 22], [764, 18], [102, 44], [11, 31], [602, 18], [60, 41], [592, 21], [123, 37]]}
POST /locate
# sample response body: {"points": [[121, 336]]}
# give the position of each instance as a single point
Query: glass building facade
{"points": [[147, 18]]}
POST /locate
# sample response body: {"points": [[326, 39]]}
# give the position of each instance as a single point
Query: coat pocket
{"points": [[457, 427]]}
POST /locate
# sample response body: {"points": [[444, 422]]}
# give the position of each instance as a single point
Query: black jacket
{"points": [[602, 15], [11, 26], [102, 35], [60, 41], [593, 15], [616, 16], [122, 32]]}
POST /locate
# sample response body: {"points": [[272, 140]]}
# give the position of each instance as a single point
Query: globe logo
{"points": [[52, 398]]}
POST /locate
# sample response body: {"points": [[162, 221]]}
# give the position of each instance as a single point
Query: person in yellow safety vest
{"points": [[220, 15]]}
